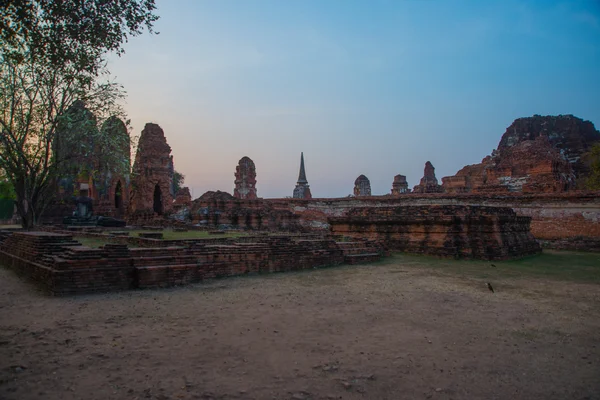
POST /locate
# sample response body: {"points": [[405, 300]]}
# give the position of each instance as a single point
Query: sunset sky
{"points": [[361, 87]]}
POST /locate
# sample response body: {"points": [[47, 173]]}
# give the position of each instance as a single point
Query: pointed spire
{"points": [[302, 175]]}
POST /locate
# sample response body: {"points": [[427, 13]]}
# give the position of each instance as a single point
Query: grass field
{"points": [[564, 265], [168, 234]]}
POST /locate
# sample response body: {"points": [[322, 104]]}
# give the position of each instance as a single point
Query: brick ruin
{"points": [[113, 199], [400, 186], [183, 198], [362, 186], [218, 209], [109, 189], [538, 154], [62, 266], [152, 183], [492, 210], [302, 189], [489, 233], [245, 180], [429, 183]]}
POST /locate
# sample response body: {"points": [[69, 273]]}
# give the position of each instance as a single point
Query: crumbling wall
{"points": [[489, 233]]}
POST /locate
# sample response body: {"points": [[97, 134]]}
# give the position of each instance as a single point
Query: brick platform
{"points": [[63, 266], [490, 233]]}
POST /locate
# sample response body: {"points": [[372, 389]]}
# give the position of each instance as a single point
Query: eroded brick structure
{"points": [[429, 183], [183, 197], [115, 191], [302, 189], [220, 208], [101, 173], [489, 233], [362, 186], [62, 266], [400, 186], [245, 180], [535, 155], [152, 175]]}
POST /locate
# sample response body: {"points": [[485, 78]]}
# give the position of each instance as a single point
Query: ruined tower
{"points": [[302, 189], [152, 173], [362, 186], [429, 183], [400, 186], [245, 180]]}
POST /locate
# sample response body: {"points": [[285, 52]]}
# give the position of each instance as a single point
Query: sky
{"points": [[361, 87]]}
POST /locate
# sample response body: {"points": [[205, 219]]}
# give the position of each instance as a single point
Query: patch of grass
{"points": [[168, 234], [91, 242], [562, 265]]}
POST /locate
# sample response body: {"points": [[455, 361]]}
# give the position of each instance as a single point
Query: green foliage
{"points": [[76, 33], [178, 179], [7, 191], [592, 158], [54, 87]]}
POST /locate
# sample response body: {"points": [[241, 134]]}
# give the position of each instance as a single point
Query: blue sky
{"points": [[361, 87]]}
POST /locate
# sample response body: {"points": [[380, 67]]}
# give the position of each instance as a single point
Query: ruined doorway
{"points": [[158, 205], [119, 199]]}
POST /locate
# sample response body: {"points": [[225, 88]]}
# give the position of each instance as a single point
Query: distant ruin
{"points": [[362, 186], [538, 154], [400, 186], [92, 173], [429, 183], [152, 181], [489, 233], [245, 180], [302, 189]]}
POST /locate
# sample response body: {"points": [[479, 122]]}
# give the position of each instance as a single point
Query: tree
{"points": [[592, 159], [178, 179], [77, 32], [51, 63]]}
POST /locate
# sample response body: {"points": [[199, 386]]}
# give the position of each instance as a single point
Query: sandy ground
{"points": [[383, 331]]}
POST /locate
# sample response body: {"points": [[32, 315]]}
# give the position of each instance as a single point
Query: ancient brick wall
{"points": [[489, 233], [554, 215], [62, 266]]}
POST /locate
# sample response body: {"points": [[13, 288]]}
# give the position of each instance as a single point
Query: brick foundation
{"points": [[63, 266]]}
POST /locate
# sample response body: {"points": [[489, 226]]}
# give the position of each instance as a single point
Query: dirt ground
{"points": [[390, 330]]}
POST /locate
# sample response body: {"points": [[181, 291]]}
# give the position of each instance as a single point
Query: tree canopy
{"points": [[592, 158], [178, 179], [72, 32], [52, 59]]}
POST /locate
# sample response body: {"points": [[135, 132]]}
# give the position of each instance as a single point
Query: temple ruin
{"points": [[302, 189], [362, 186], [400, 186], [102, 174], [429, 183], [517, 199], [491, 233], [152, 181], [538, 154], [245, 180]]}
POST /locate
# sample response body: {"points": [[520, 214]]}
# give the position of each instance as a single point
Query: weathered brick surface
{"points": [[451, 231], [554, 215], [152, 177], [71, 269]]}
